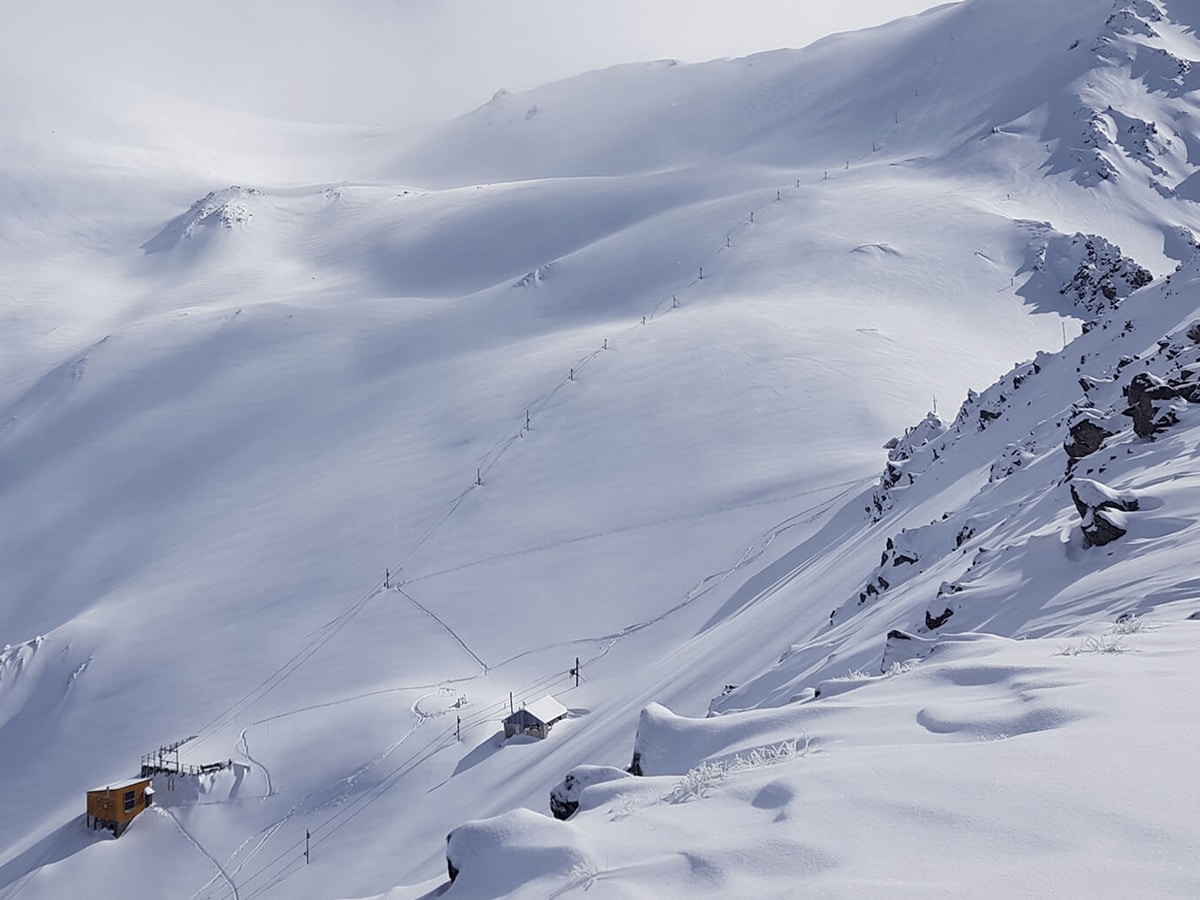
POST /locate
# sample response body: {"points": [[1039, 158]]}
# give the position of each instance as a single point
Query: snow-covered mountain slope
{"points": [[1059, 508], [322, 472]]}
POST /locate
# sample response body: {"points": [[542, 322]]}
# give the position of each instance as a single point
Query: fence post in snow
{"points": [[572, 375], [478, 477], [702, 273], [751, 217]]}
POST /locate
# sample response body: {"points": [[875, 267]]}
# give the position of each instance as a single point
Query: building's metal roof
{"points": [[122, 785], [547, 710]]}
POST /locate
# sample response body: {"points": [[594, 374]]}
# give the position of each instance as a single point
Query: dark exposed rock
{"points": [[1101, 510], [560, 808], [1101, 529], [635, 767], [1104, 273], [1146, 394], [451, 868], [902, 646], [935, 622], [565, 797], [1086, 438]]}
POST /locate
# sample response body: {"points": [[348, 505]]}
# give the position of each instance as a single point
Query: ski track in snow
{"points": [[450, 631], [245, 751], [162, 811]]}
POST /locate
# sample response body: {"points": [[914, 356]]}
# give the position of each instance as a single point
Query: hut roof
{"points": [[547, 710], [121, 785]]}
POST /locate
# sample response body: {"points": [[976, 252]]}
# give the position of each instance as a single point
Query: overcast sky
{"points": [[395, 61]]}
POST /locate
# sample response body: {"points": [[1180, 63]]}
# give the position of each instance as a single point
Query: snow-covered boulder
{"points": [[494, 857], [1102, 510], [565, 796]]}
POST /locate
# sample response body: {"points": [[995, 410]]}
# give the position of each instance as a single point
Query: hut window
{"points": [[130, 800]]}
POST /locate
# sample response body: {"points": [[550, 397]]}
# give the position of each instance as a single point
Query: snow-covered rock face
{"points": [[222, 210], [566, 798], [1087, 269]]}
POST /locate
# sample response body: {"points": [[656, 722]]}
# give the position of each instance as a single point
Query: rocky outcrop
{"points": [[902, 647], [564, 798], [1102, 510], [1086, 437], [1104, 277], [1149, 398]]}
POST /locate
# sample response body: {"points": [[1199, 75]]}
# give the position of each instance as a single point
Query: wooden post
{"points": [[387, 577], [577, 671], [526, 420], [510, 704], [572, 375], [458, 728], [478, 476], [307, 836], [751, 217], [702, 273]]}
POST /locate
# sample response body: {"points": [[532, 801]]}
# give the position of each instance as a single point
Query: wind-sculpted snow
{"points": [[964, 750]]}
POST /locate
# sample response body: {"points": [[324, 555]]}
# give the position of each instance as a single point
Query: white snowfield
{"points": [[324, 446]]}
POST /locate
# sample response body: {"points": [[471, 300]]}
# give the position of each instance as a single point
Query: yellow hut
{"points": [[115, 805]]}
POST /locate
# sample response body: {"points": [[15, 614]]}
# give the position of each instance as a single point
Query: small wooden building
{"points": [[535, 719], [115, 805]]}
